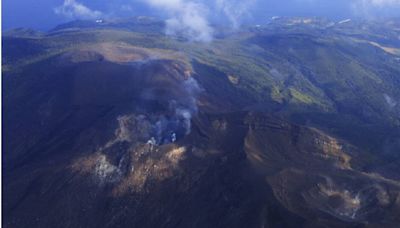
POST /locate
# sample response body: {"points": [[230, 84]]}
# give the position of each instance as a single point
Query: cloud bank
{"points": [[75, 10]]}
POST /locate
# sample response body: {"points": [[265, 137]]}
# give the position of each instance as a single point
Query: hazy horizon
{"points": [[45, 14]]}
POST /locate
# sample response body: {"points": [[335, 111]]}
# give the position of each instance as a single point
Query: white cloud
{"points": [[75, 10], [372, 8], [376, 3], [234, 10], [383, 3], [188, 18]]}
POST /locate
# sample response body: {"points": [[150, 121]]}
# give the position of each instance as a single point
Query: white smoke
{"points": [[190, 18], [187, 18], [171, 120], [235, 10], [75, 10], [186, 116], [390, 101], [166, 129]]}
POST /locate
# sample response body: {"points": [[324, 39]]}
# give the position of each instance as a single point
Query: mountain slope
{"points": [[286, 125]]}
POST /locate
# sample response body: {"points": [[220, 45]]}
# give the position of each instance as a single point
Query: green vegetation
{"points": [[307, 73]]}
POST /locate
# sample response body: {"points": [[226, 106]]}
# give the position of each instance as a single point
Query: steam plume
{"points": [[235, 10], [187, 18], [167, 129]]}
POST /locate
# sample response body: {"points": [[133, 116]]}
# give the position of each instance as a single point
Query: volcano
{"points": [[117, 125]]}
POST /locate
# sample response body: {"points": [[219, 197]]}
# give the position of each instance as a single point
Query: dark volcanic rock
{"points": [[128, 135]]}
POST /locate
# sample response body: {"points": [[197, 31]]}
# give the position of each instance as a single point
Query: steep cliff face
{"points": [[317, 176]]}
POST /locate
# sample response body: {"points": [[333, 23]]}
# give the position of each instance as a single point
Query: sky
{"points": [[184, 14]]}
